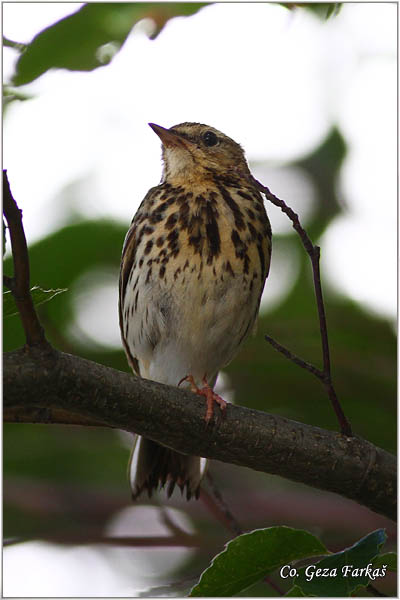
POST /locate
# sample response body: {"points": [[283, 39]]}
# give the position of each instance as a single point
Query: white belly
{"points": [[203, 330]]}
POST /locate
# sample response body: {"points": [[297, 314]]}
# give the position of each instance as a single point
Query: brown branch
{"points": [[19, 284], [294, 358], [47, 387], [314, 254], [184, 540], [224, 513]]}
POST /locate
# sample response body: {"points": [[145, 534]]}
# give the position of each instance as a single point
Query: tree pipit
{"points": [[193, 269]]}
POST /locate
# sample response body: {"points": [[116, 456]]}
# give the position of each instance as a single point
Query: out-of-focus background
{"points": [[313, 102]]}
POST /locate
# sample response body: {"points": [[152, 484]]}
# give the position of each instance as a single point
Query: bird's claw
{"points": [[209, 394]]}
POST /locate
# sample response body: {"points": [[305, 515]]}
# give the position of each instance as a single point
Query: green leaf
{"points": [[389, 560], [343, 573], [39, 296], [251, 556], [90, 37], [323, 10]]}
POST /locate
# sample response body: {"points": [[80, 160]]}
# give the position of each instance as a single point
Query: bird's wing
{"points": [[144, 321], [128, 257]]}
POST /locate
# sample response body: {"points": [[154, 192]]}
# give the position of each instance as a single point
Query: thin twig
{"points": [[229, 518], [19, 284], [296, 359], [314, 254], [222, 512], [184, 540]]}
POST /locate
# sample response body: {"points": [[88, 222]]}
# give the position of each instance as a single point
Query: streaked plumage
{"points": [[193, 268]]}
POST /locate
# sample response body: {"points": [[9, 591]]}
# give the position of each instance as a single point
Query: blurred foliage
{"points": [[323, 10], [322, 166], [39, 296], [65, 256], [91, 37]]}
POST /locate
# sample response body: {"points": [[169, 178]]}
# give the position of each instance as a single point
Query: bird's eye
{"points": [[210, 139]]}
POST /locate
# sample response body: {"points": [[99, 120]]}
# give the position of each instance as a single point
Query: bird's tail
{"points": [[152, 466]]}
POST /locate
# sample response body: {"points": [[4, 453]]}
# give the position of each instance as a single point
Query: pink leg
{"points": [[209, 394]]}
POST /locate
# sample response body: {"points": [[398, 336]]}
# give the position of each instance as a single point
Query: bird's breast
{"points": [[199, 259], [206, 252], [216, 232]]}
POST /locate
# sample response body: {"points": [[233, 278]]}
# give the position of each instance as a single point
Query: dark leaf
{"points": [[342, 573], [251, 556], [389, 559]]}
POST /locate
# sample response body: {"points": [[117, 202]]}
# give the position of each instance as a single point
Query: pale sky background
{"points": [[275, 81]]}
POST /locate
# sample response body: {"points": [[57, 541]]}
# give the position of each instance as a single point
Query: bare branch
{"points": [[296, 359], [19, 284], [224, 513], [47, 387], [184, 540], [314, 254]]}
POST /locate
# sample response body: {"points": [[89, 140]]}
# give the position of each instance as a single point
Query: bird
{"points": [[193, 268]]}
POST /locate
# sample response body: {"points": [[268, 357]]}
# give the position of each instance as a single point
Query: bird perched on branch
{"points": [[193, 268]]}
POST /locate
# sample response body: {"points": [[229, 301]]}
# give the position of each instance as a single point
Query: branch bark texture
{"points": [[47, 386]]}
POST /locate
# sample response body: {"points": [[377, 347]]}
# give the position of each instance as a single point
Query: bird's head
{"points": [[194, 151]]}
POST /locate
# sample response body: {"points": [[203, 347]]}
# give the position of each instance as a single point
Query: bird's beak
{"points": [[169, 138]]}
